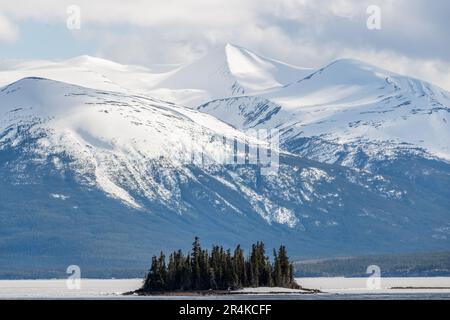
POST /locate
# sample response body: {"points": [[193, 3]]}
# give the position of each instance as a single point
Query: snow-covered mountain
{"points": [[346, 108], [109, 136], [226, 71], [87, 71], [96, 172], [231, 71]]}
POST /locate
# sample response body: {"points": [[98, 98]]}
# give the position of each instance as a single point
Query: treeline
{"points": [[429, 264], [219, 269]]}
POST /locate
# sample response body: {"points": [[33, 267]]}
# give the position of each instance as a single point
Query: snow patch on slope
{"points": [[348, 105], [230, 71], [113, 138]]}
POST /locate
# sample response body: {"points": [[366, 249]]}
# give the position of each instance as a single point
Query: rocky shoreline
{"points": [[247, 291]]}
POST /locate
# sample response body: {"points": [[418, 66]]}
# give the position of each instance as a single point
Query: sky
{"points": [[413, 39]]}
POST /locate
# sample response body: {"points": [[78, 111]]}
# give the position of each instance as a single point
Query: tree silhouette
{"points": [[219, 270]]}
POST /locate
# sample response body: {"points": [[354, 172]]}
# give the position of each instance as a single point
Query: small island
{"points": [[220, 272]]}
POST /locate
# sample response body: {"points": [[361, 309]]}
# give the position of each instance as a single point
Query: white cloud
{"points": [[8, 31], [413, 39]]}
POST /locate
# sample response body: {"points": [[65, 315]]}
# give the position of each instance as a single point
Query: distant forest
{"points": [[219, 269], [429, 264]]}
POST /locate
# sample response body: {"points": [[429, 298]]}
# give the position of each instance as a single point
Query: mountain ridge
{"points": [[97, 177], [230, 69], [345, 105]]}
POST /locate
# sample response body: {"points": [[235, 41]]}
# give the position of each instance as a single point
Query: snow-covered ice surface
{"points": [[90, 288], [333, 288], [387, 285]]}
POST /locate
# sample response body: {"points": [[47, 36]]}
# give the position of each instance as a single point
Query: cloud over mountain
{"points": [[314, 31]]}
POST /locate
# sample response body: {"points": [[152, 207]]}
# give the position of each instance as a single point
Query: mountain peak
{"points": [[230, 45], [32, 84], [353, 70], [350, 61], [26, 80], [232, 70], [24, 83], [90, 60]]}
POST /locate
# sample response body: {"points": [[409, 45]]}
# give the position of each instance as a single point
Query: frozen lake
{"points": [[333, 288], [386, 285]]}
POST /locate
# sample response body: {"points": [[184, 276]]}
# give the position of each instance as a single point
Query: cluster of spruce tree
{"points": [[219, 269]]}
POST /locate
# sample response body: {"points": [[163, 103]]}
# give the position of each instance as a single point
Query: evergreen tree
{"points": [[162, 270], [205, 281], [254, 266], [277, 274], [195, 264], [186, 274], [230, 276], [150, 279], [171, 272], [266, 276], [156, 278], [285, 270], [239, 267], [258, 265], [220, 270]]}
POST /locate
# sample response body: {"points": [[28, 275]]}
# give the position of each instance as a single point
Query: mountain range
{"points": [[97, 160]]}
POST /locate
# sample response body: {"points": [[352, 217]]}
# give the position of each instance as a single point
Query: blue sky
{"points": [[40, 40], [413, 39]]}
